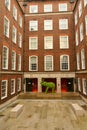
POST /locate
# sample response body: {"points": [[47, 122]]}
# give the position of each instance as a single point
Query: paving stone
{"points": [[45, 115]]}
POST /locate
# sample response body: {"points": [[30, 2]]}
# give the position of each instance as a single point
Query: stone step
{"points": [[71, 95], [30, 95]]}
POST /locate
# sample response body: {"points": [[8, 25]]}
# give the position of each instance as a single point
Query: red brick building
{"points": [[49, 44], [80, 16], [11, 49], [43, 39]]}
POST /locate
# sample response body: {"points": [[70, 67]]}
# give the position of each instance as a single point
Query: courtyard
{"points": [[43, 115]]}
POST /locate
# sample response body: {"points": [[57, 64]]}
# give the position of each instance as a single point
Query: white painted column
{"points": [[58, 85], [24, 88], [39, 85]]}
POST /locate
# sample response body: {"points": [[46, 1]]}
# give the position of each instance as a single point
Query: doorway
{"points": [[67, 85], [31, 85]]}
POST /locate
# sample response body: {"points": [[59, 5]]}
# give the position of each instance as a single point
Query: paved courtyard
{"points": [[44, 115]]}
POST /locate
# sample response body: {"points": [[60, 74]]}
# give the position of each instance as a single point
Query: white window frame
{"points": [[5, 89], [85, 3], [18, 84], [48, 8], [33, 25], [13, 60], [19, 62], [12, 86], [20, 40], [77, 38], [86, 24], [48, 64], [63, 24], [48, 24], [33, 66], [78, 61], [62, 6], [5, 58], [6, 26], [20, 21], [83, 59], [33, 9], [8, 4], [80, 9], [48, 42], [15, 13], [33, 45], [84, 85], [79, 84], [67, 64], [14, 34], [76, 18], [81, 32], [64, 44]]}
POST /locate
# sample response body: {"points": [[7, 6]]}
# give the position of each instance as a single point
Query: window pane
{"points": [[13, 60], [48, 8], [19, 84], [83, 58], [64, 42], [33, 64], [5, 58], [64, 63], [48, 42], [33, 9], [15, 13], [12, 86], [33, 43], [14, 34], [48, 63], [7, 4], [78, 61], [3, 89], [48, 25], [6, 27], [33, 25], [63, 7], [79, 84], [63, 24], [19, 62], [84, 86]]}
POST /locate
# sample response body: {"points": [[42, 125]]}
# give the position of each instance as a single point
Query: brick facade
{"points": [[81, 73], [9, 74], [68, 77]]}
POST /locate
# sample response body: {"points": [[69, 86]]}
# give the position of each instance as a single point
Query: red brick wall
{"points": [[8, 74], [82, 73], [56, 51]]}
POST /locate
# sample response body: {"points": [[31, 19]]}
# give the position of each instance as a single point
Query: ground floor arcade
{"points": [[64, 82]]}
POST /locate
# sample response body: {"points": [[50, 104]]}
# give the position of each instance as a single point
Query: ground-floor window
{"points": [[12, 86], [4, 85], [79, 85], [19, 84], [84, 84]]}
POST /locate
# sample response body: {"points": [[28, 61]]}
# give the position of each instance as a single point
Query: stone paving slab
{"points": [[44, 115]]}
